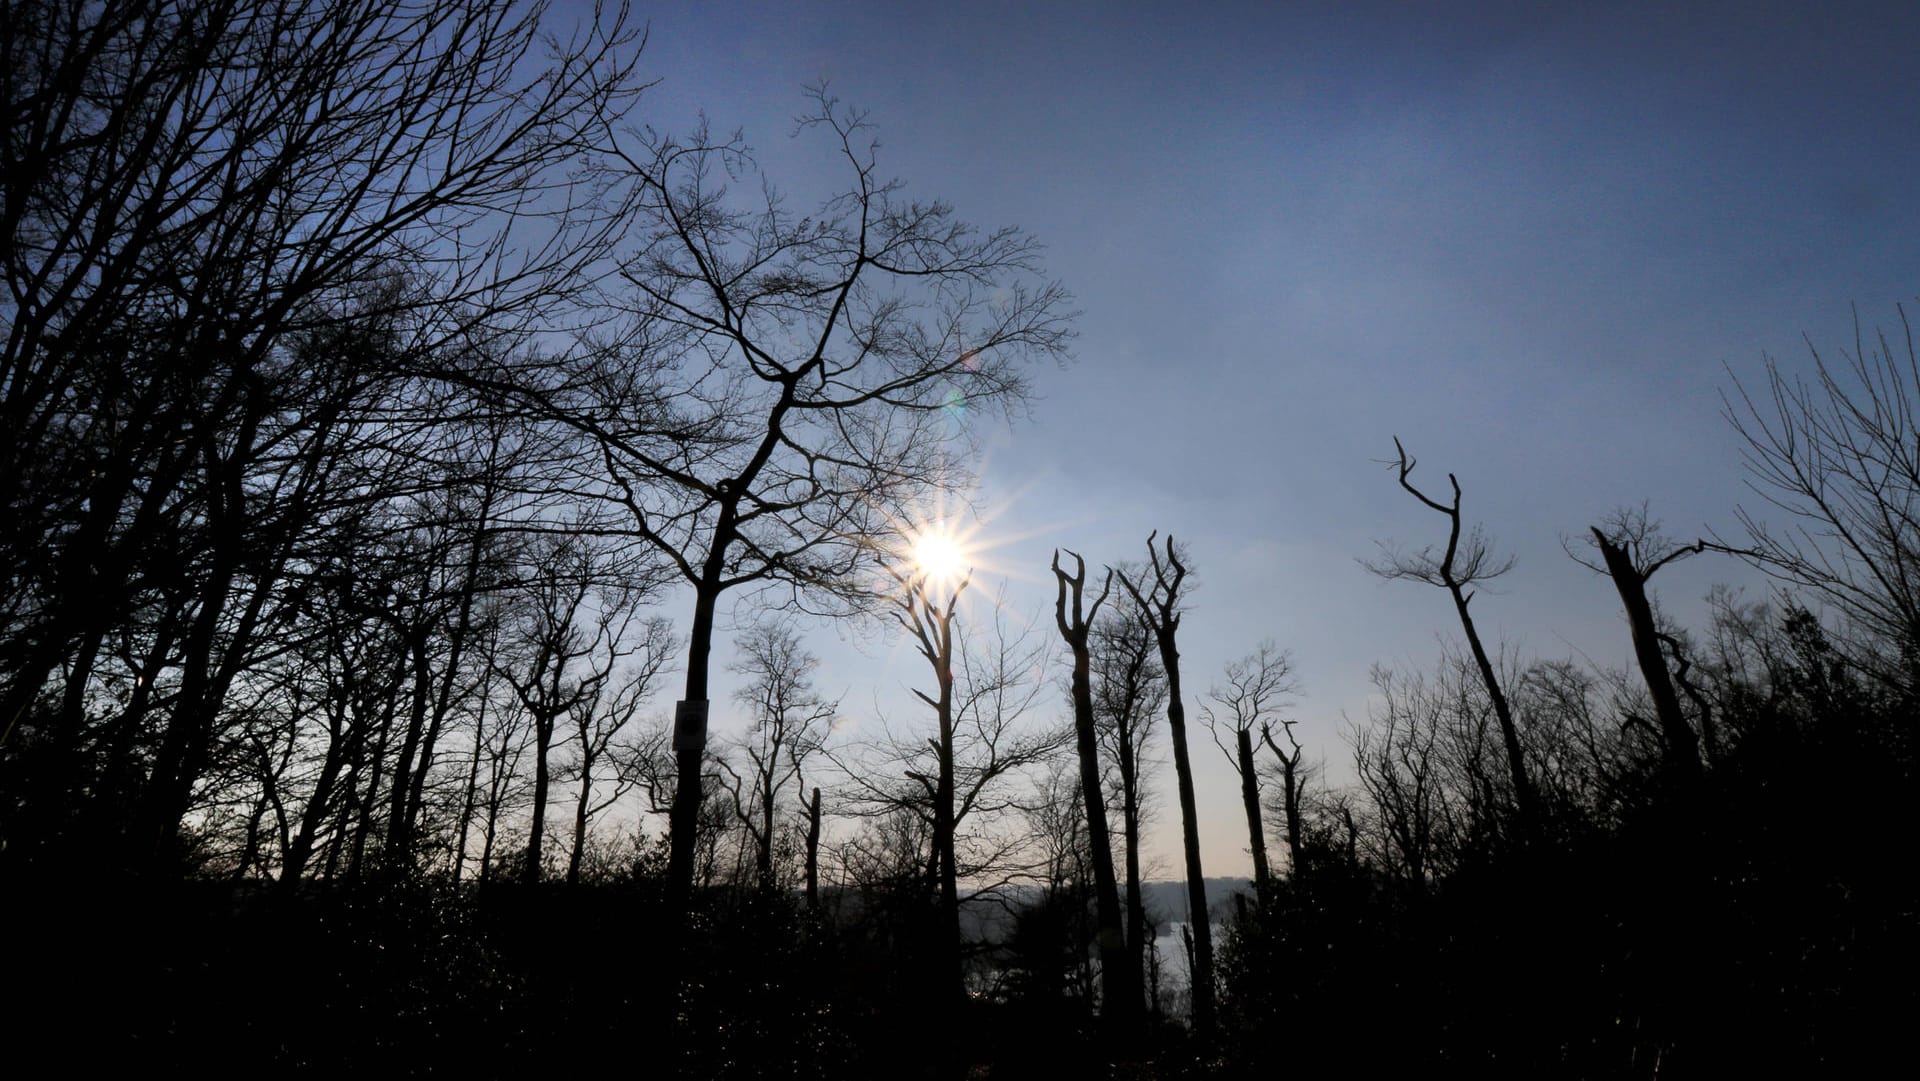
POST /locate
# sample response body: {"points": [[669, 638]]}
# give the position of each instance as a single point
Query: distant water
{"points": [[1165, 897], [1161, 898], [1174, 977]]}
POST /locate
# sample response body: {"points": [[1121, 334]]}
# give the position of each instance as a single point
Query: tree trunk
{"points": [[364, 805], [932, 627], [1198, 920], [300, 850], [763, 859], [580, 822], [943, 816], [1523, 792], [536, 836], [813, 853], [486, 841], [399, 841], [189, 729], [1296, 857], [1250, 798], [456, 650], [1130, 821], [1118, 988], [1164, 616], [690, 748], [1683, 747], [1119, 981], [471, 799], [207, 673]]}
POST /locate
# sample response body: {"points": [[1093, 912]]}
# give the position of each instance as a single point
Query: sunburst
{"points": [[945, 544], [940, 556], [934, 556]]}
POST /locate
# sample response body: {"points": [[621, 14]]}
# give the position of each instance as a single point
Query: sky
{"points": [[1537, 244]]}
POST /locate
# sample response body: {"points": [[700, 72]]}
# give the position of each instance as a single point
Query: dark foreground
{"points": [[1763, 927]]}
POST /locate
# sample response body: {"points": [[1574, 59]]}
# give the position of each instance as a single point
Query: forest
{"points": [[408, 449]]}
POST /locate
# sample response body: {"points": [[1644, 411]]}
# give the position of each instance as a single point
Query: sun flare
{"points": [[939, 555], [943, 546]]}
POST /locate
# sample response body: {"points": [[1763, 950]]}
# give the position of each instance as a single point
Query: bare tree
{"points": [[784, 385], [1156, 590], [1838, 455], [1398, 760], [1433, 767], [1294, 775], [632, 653], [1465, 562], [337, 662], [1257, 687], [965, 780], [929, 620], [574, 633], [1052, 942], [789, 721], [1129, 689], [1584, 760], [190, 189], [1119, 975], [1631, 549]]}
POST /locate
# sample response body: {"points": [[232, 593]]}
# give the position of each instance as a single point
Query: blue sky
{"points": [[1529, 241]]}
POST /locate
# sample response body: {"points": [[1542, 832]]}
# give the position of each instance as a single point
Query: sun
{"points": [[940, 547], [939, 555]]}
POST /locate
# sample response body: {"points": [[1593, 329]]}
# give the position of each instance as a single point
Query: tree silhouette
{"points": [[1838, 454], [1119, 976], [1631, 549], [1294, 774], [233, 231], [1464, 562], [1129, 688], [964, 781], [1156, 591], [929, 620], [789, 723], [632, 652], [1256, 688], [779, 390]]}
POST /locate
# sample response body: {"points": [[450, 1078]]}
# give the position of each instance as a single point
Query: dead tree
{"points": [[1119, 979], [1631, 550], [1465, 562], [1160, 600], [1129, 690], [1293, 777]]}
